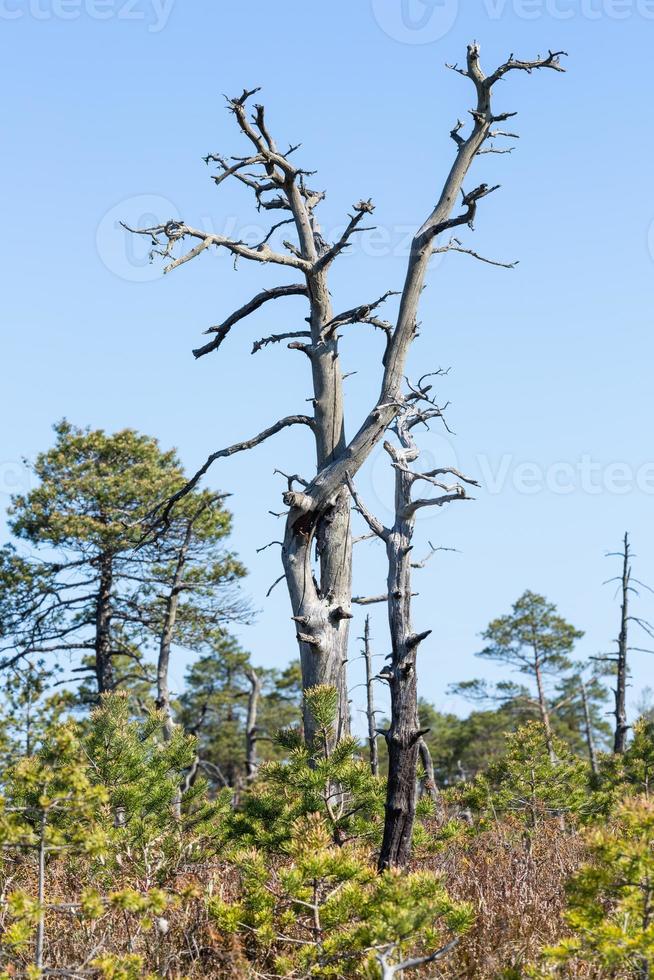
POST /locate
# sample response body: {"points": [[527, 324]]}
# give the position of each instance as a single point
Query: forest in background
{"points": [[238, 827]]}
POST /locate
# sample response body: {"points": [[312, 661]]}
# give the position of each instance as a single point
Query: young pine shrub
{"points": [[610, 912], [529, 784], [327, 779], [325, 912], [94, 854]]}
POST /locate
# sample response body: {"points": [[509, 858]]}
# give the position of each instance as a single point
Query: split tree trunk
{"points": [[320, 511]]}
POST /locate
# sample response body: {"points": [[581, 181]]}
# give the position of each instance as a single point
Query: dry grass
{"points": [[515, 883]]}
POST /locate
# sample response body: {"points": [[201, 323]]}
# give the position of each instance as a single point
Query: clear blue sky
{"points": [[114, 102]]}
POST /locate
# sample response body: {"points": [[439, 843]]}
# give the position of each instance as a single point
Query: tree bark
{"points": [[403, 736]]}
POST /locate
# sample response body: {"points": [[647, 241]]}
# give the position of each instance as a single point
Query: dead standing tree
{"points": [[319, 510], [627, 586], [370, 699], [404, 735]]}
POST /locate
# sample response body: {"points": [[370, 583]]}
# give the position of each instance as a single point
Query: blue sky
{"points": [[114, 102]]}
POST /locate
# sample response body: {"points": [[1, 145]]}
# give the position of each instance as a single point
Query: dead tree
{"points": [[627, 586], [404, 735], [251, 728], [318, 505], [370, 700]]}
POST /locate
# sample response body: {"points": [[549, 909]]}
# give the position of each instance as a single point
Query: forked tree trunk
{"points": [[319, 512]]}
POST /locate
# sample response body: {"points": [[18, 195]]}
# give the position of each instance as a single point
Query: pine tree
{"points": [[214, 708], [535, 641], [92, 593], [28, 709], [95, 802], [528, 785]]}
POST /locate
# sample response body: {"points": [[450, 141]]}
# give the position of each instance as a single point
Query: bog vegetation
{"points": [[237, 827]]}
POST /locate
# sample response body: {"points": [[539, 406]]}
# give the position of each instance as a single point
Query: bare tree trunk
{"points": [[590, 741], [168, 632], [103, 663], [251, 724], [621, 726], [370, 700], [430, 788], [404, 735]]}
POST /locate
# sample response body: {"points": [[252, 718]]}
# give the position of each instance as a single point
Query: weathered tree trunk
{"points": [[621, 726], [429, 788], [370, 701], [404, 735], [168, 632], [319, 512], [251, 723], [103, 663]]}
